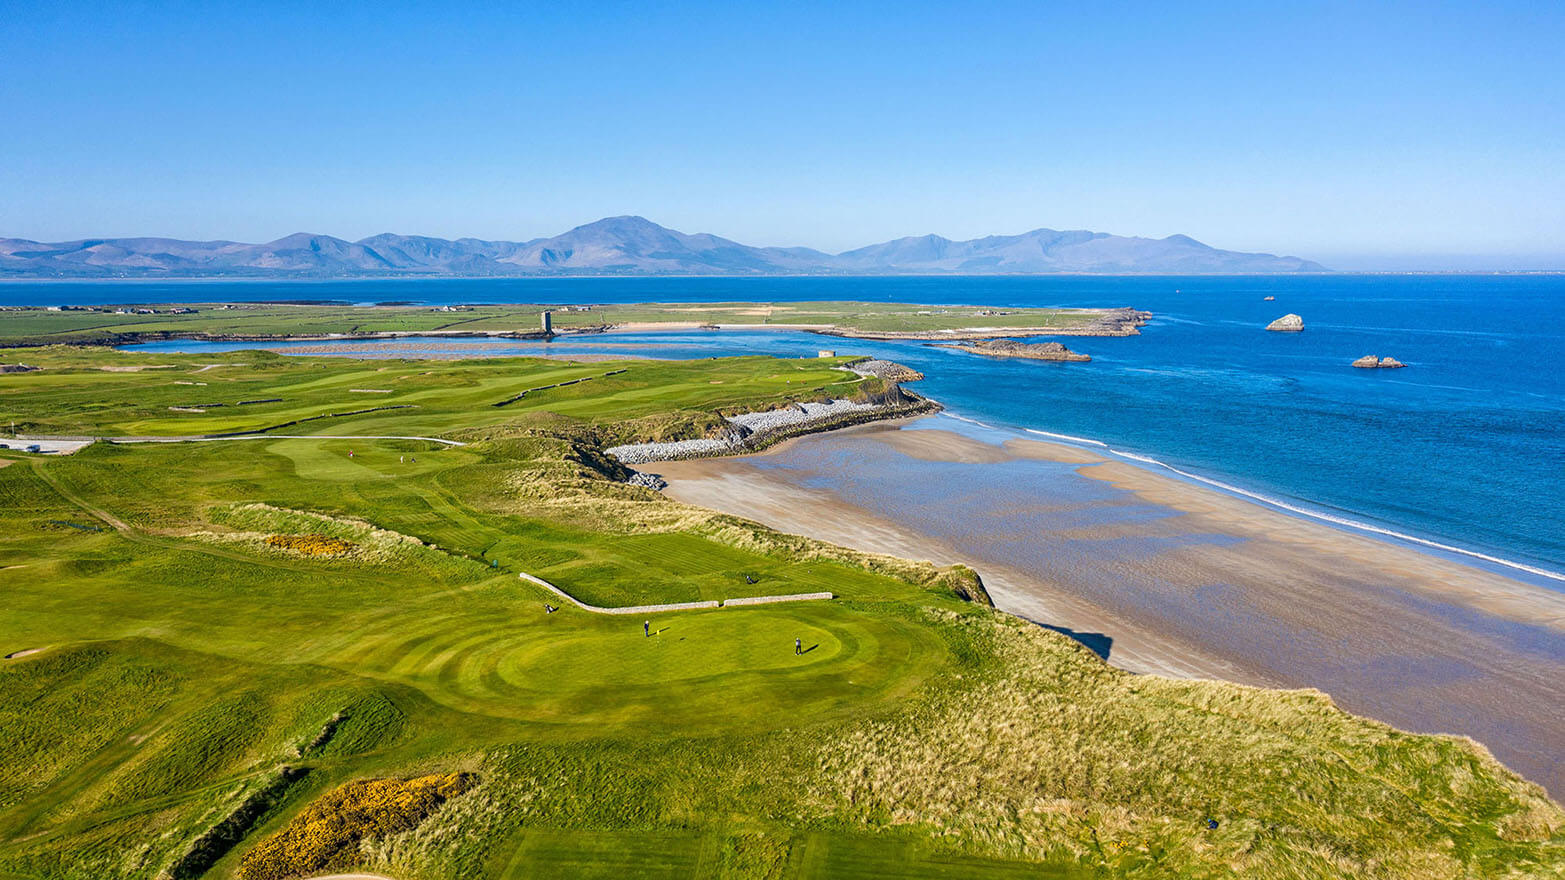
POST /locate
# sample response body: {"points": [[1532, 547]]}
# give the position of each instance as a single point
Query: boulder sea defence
{"points": [[1287, 324]]}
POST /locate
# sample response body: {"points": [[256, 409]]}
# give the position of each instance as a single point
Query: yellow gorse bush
{"points": [[328, 831], [312, 545]]}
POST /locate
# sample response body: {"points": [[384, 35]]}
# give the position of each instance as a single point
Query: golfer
{"points": [[646, 628], [798, 647]]}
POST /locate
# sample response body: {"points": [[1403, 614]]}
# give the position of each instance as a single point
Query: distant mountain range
{"points": [[628, 246]]}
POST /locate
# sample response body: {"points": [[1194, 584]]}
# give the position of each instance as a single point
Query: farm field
{"points": [[209, 643]]}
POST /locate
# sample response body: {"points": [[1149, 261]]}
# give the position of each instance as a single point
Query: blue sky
{"points": [[1384, 135]]}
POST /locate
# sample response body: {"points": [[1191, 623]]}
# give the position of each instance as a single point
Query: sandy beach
{"points": [[1168, 577]]}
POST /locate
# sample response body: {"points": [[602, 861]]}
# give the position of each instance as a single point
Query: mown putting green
{"points": [[734, 668]]}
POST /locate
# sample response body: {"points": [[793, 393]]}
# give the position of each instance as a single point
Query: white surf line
{"points": [[1067, 437], [1082, 440], [281, 437], [675, 606]]}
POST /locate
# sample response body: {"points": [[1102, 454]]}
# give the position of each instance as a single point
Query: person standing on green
{"points": [[646, 628], [798, 648]]}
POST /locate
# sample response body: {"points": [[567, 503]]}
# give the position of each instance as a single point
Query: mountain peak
{"points": [[630, 244]]}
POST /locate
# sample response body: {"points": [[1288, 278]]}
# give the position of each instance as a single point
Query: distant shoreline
{"points": [[358, 279]]}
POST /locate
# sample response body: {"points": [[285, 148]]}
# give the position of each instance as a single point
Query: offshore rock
{"points": [[1287, 324], [1370, 362]]}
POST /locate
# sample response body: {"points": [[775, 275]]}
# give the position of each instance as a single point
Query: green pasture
{"points": [[169, 662], [36, 326]]}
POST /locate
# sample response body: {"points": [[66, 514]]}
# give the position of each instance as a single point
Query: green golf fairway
{"points": [[271, 657]]}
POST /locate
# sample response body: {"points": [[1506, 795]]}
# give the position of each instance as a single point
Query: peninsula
{"points": [[264, 322]]}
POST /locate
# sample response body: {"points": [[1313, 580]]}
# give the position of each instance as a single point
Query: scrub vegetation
{"points": [[277, 657]]}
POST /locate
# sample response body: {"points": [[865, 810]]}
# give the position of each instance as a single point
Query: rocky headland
{"points": [[1010, 348], [890, 371], [1107, 322]]}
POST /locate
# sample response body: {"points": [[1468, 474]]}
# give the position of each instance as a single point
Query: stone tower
{"points": [[548, 323]]}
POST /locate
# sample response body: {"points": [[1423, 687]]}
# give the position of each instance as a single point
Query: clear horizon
{"points": [[1384, 139]]}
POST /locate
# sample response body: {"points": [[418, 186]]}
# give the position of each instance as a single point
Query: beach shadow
{"points": [[1097, 643]]}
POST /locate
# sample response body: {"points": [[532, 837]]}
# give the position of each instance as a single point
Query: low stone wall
{"points": [[674, 606], [766, 600]]}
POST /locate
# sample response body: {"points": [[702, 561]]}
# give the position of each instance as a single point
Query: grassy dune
{"points": [[194, 687]]}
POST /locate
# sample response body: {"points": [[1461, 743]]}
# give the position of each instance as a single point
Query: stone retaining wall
{"points": [[765, 428]]}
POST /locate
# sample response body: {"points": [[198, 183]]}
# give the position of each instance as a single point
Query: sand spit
{"points": [[1171, 577]]}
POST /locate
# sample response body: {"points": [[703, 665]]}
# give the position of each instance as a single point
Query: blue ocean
{"points": [[1465, 447]]}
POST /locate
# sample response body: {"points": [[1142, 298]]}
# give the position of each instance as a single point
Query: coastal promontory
{"points": [[1010, 348]]}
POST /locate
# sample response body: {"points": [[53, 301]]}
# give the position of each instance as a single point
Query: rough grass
{"points": [[921, 736], [1056, 757]]}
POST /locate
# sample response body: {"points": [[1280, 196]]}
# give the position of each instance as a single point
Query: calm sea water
{"points": [[1465, 447]]}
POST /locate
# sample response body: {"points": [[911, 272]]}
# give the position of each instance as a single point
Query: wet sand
{"points": [[1168, 577]]}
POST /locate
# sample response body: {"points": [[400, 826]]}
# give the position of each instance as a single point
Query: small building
{"points": [[826, 353]]}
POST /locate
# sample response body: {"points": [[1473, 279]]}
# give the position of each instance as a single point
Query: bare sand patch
{"points": [[1449, 579], [136, 368], [17, 655], [641, 326], [937, 445], [1046, 451], [762, 311]]}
